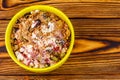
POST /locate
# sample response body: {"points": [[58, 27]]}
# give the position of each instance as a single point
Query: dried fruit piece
{"points": [[56, 48], [36, 23]]}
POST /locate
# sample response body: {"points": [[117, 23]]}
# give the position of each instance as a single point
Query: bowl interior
{"points": [[44, 8]]}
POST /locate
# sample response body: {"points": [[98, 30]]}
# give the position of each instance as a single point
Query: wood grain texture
{"points": [[96, 53], [61, 77], [11, 3], [73, 10]]}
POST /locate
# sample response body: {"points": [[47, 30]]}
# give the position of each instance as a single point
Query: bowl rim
{"points": [[43, 8]]}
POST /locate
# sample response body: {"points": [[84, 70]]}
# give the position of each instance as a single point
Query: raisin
{"points": [[37, 22], [27, 15]]}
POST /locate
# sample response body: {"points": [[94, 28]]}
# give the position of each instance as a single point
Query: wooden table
{"points": [[96, 53]]}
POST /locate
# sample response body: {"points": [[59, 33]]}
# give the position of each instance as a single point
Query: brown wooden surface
{"points": [[96, 53]]}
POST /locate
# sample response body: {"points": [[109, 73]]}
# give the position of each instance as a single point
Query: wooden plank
{"points": [[0, 4], [61, 77], [77, 65], [10, 3], [12, 11], [14, 77], [72, 10], [100, 1]]}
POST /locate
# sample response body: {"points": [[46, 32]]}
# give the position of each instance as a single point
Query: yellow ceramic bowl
{"points": [[20, 14]]}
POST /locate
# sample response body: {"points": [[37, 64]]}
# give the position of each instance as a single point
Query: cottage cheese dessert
{"points": [[40, 39]]}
